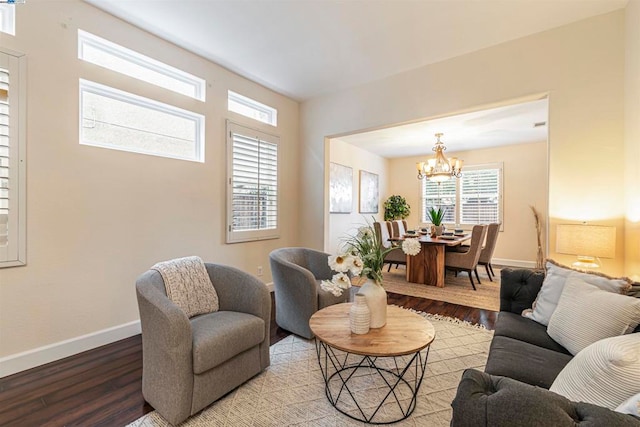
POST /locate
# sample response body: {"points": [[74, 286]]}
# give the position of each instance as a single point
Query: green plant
{"points": [[396, 207], [436, 215]]}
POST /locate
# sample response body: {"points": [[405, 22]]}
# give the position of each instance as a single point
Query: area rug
{"points": [[457, 290], [290, 392]]}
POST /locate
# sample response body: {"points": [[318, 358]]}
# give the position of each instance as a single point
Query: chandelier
{"points": [[439, 168]]}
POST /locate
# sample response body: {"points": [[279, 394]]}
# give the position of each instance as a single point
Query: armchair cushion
{"points": [[188, 285], [217, 337]]}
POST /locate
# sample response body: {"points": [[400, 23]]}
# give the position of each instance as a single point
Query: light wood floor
{"points": [[102, 387]]}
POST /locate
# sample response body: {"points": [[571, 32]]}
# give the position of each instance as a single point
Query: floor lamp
{"points": [[588, 242]]}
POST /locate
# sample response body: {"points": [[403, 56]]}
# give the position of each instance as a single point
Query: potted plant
{"points": [[436, 216], [396, 207]]}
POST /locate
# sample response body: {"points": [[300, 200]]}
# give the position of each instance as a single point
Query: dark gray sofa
{"points": [[523, 362]]}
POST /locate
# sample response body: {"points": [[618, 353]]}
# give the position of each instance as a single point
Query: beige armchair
{"points": [[487, 251], [188, 363], [468, 261]]}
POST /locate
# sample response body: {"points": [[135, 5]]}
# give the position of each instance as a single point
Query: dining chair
{"points": [[398, 228], [468, 261], [486, 254], [396, 256]]}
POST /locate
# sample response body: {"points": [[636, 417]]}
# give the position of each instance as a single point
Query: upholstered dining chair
{"points": [[297, 273], [486, 254], [398, 228], [468, 261], [188, 363], [396, 256]]}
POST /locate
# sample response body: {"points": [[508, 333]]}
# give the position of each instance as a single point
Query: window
{"points": [[253, 109], [111, 118], [133, 64], [12, 160], [8, 19], [474, 198], [252, 195]]}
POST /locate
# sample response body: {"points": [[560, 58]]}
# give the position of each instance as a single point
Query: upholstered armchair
{"points": [[189, 363], [468, 261], [297, 273]]}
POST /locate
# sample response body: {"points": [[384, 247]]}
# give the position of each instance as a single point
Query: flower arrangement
{"points": [[362, 255]]}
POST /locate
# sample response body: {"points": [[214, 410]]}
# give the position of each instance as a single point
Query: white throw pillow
{"points": [[605, 373], [630, 406], [586, 314], [553, 284]]}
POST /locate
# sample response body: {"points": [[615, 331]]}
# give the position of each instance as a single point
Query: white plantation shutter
{"points": [[252, 195], [12, 162], [480, 196], [439, 194]]}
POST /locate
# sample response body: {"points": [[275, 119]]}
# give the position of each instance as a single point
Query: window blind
{"points": [[254, 183], [441, 194], [480, 196]]}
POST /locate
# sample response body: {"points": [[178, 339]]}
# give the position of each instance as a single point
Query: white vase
{"points": [[376, 298], [439, 229], [359, 315]]}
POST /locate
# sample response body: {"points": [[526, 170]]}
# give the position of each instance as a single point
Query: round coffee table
{"points": [[372, 377]]}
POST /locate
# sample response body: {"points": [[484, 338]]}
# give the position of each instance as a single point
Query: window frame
{"points": [[251, 103], [138, 59], [123, 96], [458, 194], [238, 236], [16, 248]]}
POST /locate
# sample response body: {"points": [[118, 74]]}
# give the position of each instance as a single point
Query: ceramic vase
{"points": [[359, 315], [438, 229], [376, 298]]}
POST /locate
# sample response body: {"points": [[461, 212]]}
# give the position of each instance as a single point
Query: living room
{"points": [[97, 218]]}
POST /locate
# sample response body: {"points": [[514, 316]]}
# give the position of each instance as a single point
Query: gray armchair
{"points": [[297, 273], [189, 363]]}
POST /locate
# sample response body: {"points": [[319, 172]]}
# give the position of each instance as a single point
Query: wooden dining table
{"points": [[428, 266]]}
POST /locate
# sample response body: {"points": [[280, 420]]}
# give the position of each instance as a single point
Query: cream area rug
{"points": [[457, 290], [290, 392]]}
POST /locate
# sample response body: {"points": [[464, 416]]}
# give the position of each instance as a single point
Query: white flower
{"points": [[341, 263], [411, 246], [365, 232], [329, 286], [357, 266], [341, 280]]}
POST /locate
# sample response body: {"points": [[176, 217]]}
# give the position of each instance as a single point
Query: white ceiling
{"points": [[508, 125], [307, 48]]}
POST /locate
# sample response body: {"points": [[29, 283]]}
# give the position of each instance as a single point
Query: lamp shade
{"points": [[588, 240]]}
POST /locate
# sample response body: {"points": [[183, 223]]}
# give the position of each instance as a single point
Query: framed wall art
{"points": [[369, 200], [340, 188]]}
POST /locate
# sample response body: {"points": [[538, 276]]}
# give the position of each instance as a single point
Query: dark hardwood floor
{"points": [[102, 387]]}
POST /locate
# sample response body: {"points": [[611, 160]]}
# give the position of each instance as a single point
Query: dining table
{"points": [[427, 267]]}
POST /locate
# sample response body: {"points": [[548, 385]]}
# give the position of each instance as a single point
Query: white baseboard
{"points": [[39, 356], [270, 286], [513, 263]]}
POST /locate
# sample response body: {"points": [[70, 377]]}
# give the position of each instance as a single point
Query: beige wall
{"points": [[581, 67], [341, 225], [525, 184], [632, 139], [97, 218]]}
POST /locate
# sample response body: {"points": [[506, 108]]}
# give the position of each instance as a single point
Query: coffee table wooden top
{"points": [[405, 332]]}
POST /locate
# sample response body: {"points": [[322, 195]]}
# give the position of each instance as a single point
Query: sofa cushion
{"points": [[605, 373], [219, 336], [492, 401], [553, 284], [520, 328], [524, 362], [586, 314]]}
